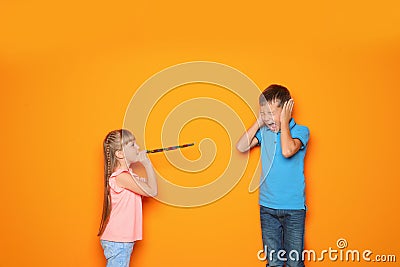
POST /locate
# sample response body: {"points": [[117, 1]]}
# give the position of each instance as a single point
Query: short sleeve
{"points": [[302, 133], [258, 136], [113, 184], [113, 181]]}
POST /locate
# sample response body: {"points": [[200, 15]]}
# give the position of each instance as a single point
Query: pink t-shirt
{"points": [[125, 222]]}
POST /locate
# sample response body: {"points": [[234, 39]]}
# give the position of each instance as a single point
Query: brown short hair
{"points": [[275, 92]]}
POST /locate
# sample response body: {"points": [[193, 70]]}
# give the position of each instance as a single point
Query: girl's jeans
{"points": [[118, 254]]}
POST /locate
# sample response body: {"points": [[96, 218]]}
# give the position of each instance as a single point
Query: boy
{"points": [[282, 201]]}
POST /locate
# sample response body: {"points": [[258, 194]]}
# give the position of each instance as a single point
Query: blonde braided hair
{"points": [[114, 141]]}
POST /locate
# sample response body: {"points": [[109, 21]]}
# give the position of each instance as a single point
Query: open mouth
{"points": [[272, 126]]}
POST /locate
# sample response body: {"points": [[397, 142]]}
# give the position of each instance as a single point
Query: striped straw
{"points": [[169, 148]]}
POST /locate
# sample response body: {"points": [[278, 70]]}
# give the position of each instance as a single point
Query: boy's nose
{"points": [[267, 117]]}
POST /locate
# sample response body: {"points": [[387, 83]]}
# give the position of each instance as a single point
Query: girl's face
{"points": [[131, 151]]}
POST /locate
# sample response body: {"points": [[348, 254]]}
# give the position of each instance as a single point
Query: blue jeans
{"points": [[118, 254], [283, 236]]}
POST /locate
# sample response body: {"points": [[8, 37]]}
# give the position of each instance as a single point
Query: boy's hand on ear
{"points": [[286, 113], [260, 121]]}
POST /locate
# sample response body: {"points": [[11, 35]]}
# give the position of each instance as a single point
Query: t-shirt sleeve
{"points": [[258, 136], [303, 134], [113, 184]]}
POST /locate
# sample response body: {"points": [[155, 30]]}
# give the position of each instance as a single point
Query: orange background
{"points": [[67, 73]]}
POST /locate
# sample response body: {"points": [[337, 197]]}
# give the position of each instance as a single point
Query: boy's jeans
{"points": [[283, 230], [118, 254]]}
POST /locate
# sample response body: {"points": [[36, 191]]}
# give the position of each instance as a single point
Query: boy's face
{"points": [[271, 115]]}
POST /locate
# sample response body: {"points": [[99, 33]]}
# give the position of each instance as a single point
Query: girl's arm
{"points": [[130, 182]]}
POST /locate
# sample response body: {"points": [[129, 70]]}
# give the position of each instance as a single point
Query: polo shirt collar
{"points": [[292, 123]]}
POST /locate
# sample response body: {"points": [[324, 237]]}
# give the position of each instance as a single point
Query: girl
{"points": [[121, 223]]}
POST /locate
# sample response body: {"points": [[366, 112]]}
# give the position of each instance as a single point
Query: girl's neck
{"points": [[121, 165]]}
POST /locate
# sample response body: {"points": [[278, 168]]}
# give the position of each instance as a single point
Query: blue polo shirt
{"points": [[282, 179]]}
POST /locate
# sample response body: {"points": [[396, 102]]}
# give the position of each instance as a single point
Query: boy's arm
{"points": [[248, 139], [290, 145]]}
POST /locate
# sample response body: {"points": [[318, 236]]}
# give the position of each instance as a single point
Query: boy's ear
{"points": [[119, 154]]}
